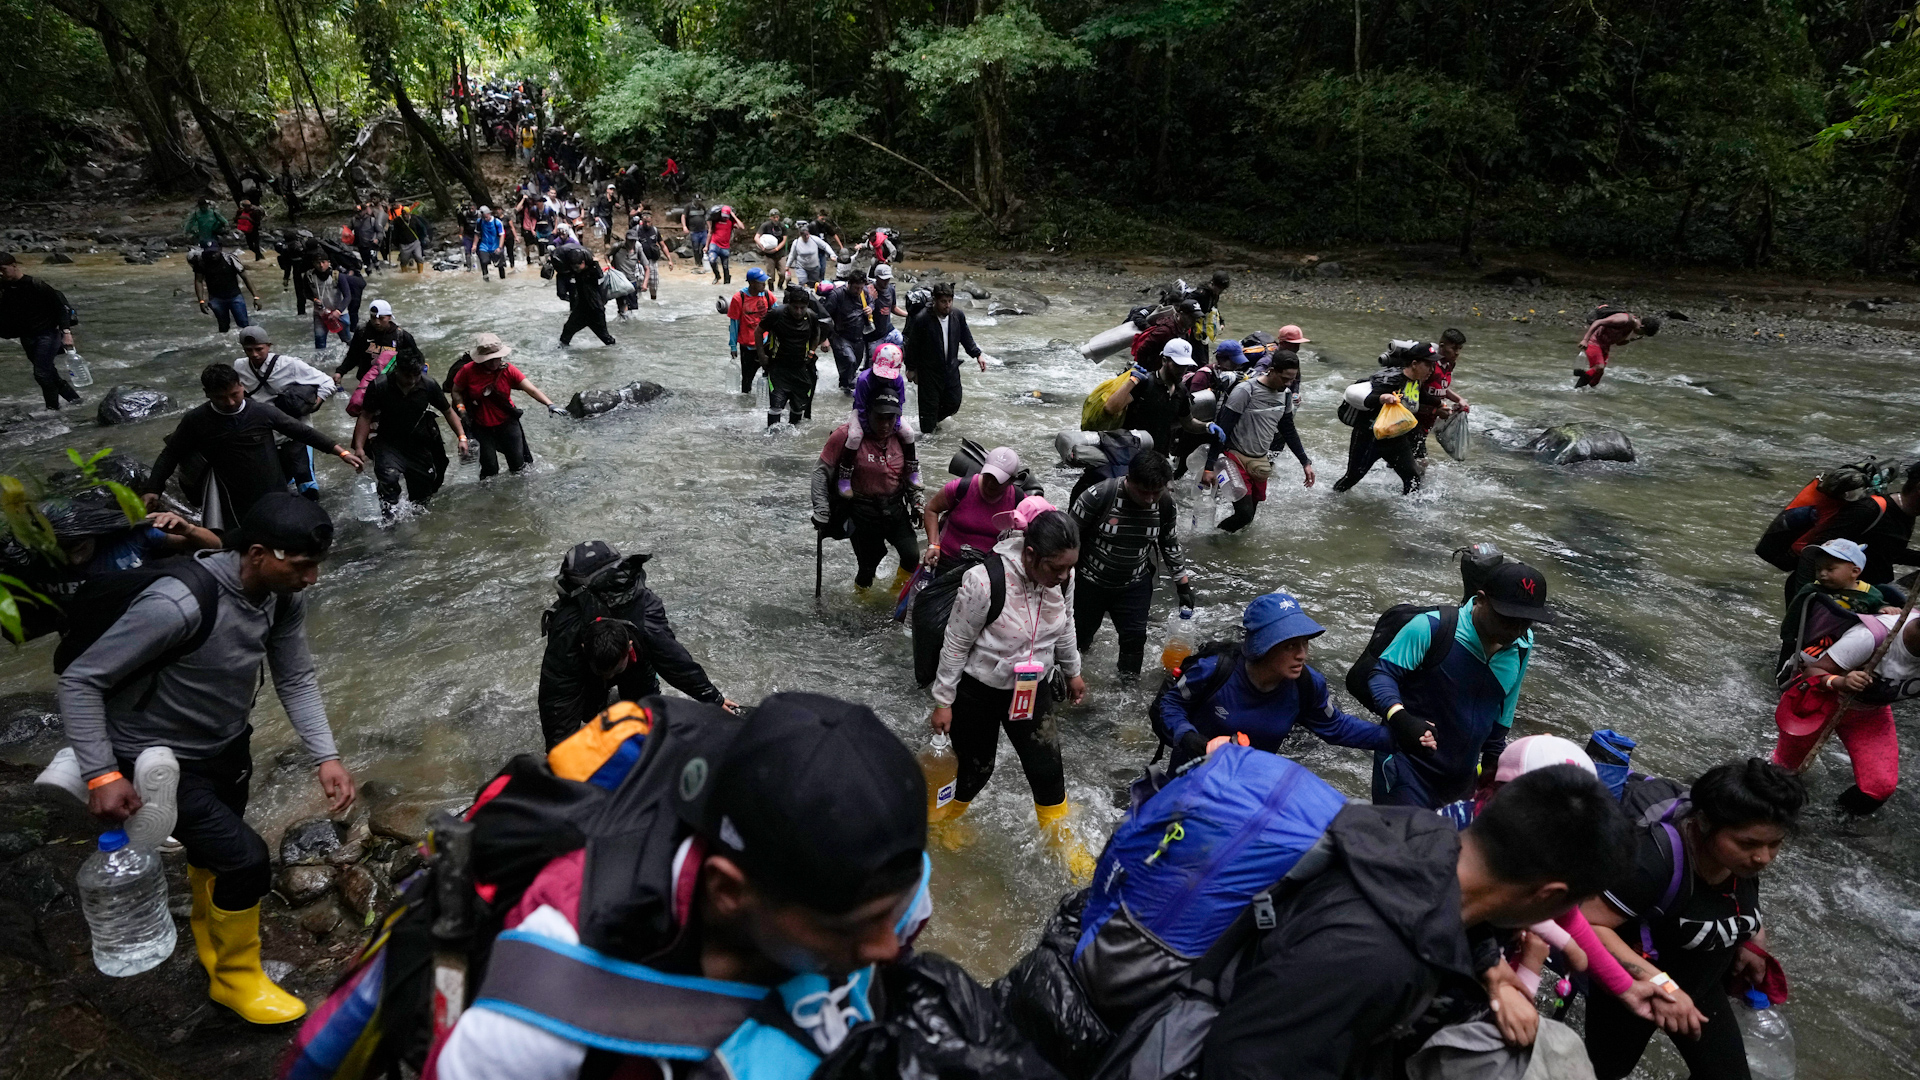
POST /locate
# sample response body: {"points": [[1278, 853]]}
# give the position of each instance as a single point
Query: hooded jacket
{"points": [[1359, 956]]}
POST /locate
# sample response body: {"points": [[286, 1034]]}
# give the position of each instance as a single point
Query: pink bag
{"points": [[381, 361]]}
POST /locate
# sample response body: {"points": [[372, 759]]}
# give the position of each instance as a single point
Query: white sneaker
{"points": [[63, 774], [156, 777]]}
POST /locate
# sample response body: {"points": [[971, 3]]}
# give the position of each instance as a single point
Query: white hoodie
{"points": [[1035, 624]]}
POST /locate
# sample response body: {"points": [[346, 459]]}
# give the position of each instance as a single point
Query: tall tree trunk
{"points": [[300, 65], [165, 50], [991, 94], [169, 166], [442, 155], [442, 198]]}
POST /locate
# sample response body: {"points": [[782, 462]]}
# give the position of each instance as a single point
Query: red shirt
{"points": [[722, 227], [746, 309], [489, 393], [877, 466]]}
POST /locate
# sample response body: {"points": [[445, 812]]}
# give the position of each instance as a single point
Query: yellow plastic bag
{"points": [[1093, 411], [1393, 420]]}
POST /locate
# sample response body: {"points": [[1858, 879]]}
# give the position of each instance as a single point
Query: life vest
{"points": [[1808, 514]]}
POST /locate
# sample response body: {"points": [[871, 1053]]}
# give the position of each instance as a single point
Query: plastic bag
{"points": [[1393, 421], [1093, 412], [939, 1023], [127, 404], [614, 284], [1450, 431], [1043, 998]]}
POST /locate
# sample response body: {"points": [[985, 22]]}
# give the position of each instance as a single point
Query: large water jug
{"points": [[123, 891], [1769, 1040], [366, 497], [77, 371]]}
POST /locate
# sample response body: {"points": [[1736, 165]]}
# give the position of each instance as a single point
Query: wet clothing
{"points": [[1034, 624], [586, 307], [572, 694], [930, 351], [1265, 717], [211, 823], [1115, 576], [745, 310], [283, 374], [242, 463], [1898, 676], [1159, 410], [37, 313], [1694, 941], [220, 270], [1862, 599], [407, 448], [1469, 699], [885, 299], [369, 340], [973, 522], [852, 313], [1149, 344], [877, 517], [1364, 962], [1259, 421], [488, 393], [789, 338], [1363, 449], [496, 441], [1872, 742], [1596, 346], [980, 713]]}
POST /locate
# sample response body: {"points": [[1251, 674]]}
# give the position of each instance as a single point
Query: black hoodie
{"points": [[1359, 956]]}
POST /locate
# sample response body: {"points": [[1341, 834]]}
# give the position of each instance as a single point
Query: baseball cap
{"points": [[885, 403], [285, 522], [1518, 591], [255, 335], [819, 803], [1023, 513], [754, 273], [379, 308], [1002, 464], [1274, 618], [887, 361], [1540, 752], [586, 561], [1845, 551], [1231, 353], [883, 272], [1180, 352], [1292, 335]]}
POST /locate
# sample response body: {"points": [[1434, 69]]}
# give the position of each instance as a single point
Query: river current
{"points": [[427, 632]]}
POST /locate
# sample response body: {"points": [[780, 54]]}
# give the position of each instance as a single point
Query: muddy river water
{"points": [[427, 632]]}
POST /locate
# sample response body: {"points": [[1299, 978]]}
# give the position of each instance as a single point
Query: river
{"points": [[427, 633]]}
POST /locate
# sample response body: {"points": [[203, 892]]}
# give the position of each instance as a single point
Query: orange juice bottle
{"points": [[1179, 644]]}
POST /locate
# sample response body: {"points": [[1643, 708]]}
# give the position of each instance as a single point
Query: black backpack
{"points": [[1384, 631], [101, 601]]}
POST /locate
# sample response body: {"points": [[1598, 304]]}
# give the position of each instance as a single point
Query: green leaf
{"points": [[10, 618]]}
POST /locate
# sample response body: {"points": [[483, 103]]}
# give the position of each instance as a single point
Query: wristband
{"points": [[103, 780], [1664, 983], [1828, 684], [1395, 709]]}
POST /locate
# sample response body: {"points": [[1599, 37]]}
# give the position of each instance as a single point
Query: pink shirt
{"points": [[971, 521]]}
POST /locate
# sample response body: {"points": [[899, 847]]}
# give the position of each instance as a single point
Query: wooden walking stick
{"points": [[1846, 699]]}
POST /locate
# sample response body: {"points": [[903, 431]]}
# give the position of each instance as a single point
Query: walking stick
{"points": [[1846, 700], [819, 553]]}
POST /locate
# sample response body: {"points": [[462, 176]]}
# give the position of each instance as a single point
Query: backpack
{"points": [[102, 599], [1385, 629], [1823, 622], [1607, 311], [624, 789], [1817, 504], [1093, 412], [933, 606], [1656, 801], [1184, 866]]}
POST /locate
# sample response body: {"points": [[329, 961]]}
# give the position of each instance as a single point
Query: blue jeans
{"points": [[721, 259], [229, 308], [320, 333]]}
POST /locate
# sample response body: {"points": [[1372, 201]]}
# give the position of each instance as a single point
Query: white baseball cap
{"points": [[379, 308], [1180, 352], [1540, 752]]}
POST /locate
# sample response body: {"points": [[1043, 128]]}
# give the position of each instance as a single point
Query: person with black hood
{"points": [[1401, 933], [931, 350], [791, 334], [406, 448], [1403, 385], [37, 314], [586, 304], [608, 634]]}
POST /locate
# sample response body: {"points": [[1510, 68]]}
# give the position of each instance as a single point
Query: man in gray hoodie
{"points": [[198, 705]]}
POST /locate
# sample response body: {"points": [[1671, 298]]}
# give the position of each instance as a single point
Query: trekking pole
{"points": [[454, 924], [1846, 700], [819, 554]]}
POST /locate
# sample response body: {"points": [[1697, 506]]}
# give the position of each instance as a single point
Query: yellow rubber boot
{"points": [[1064, 842], [900, 579], [945, 827], [238, 982], [200, 884]]}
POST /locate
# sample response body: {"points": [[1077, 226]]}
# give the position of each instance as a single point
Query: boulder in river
{"points": [[594, 402], [1570, 443], [130, 404], [309, 842]]}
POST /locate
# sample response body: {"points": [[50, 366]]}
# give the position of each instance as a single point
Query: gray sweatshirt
{"points": [[201, 703]]}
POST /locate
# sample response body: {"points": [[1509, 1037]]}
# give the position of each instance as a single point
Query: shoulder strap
{"points": [[206, 594], [1446, 624], [997, 587], [1260, 914]]}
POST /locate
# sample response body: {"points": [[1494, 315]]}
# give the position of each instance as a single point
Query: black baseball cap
{"points": [[285, 522], [820, 804], [1518, 591], [885, 403]]}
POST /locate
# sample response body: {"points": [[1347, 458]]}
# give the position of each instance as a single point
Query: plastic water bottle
{"points": [[123, 891], [366, 498], [1769, 1040], [1179, 644], [942, 769], [77, 372]]}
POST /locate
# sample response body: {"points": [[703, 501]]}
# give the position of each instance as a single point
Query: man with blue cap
{"points": [[744, 312], [1256, 691]]}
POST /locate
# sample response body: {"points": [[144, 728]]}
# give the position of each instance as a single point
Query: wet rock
{"points": [[58, 258], [320, 919], [969, 287], [405, 863], [400, 820], [156, 245], [1571, 443], [1861, 305], [304, 884], [363, 890], [347, 854], [130, 404], [309, 842], [594, 402], [139, 260], [1329, 269]]}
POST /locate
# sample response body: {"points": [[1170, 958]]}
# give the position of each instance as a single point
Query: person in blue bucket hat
{"points": [[1257, 690]]}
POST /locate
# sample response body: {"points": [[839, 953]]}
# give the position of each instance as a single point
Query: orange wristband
{"points": [[103, 780]]}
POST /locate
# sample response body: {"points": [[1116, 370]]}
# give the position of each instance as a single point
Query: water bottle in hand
{"points": [[77, 371], [366, 498], [1769, 1040], [123, 891]]}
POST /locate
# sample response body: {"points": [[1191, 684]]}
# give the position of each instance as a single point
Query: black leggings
{"points": [[979, 712], [875, 526], [212, 824], [749, 366], [1616, 1038], [1363, 450], [588, 316], [1128, 605], [1242, 516]]}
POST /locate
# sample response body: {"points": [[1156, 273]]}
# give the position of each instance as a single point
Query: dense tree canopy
{"points": [[1765, 132]]}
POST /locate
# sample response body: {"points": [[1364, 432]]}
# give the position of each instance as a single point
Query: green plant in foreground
{"points": [[28, 527]]}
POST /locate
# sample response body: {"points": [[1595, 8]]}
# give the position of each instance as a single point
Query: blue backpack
{"points": [[1185, 864]]}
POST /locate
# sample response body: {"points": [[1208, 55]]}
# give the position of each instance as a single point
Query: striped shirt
{"points": [[1115, 534]]}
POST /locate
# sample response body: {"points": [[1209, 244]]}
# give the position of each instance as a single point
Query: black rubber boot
{"points": [[1855, 801]]}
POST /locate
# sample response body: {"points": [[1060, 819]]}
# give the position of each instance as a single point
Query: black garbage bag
{"points": [[89, 513], [931, 607], [594, 402], [121, 468], [130, 404], [1044, 1000], [939, 1024]]}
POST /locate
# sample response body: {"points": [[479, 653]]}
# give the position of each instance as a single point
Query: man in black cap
{"points": [[1462, 686], [804, 871], [608, 637], [169, 672], [886, 493], [37, 314]]}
